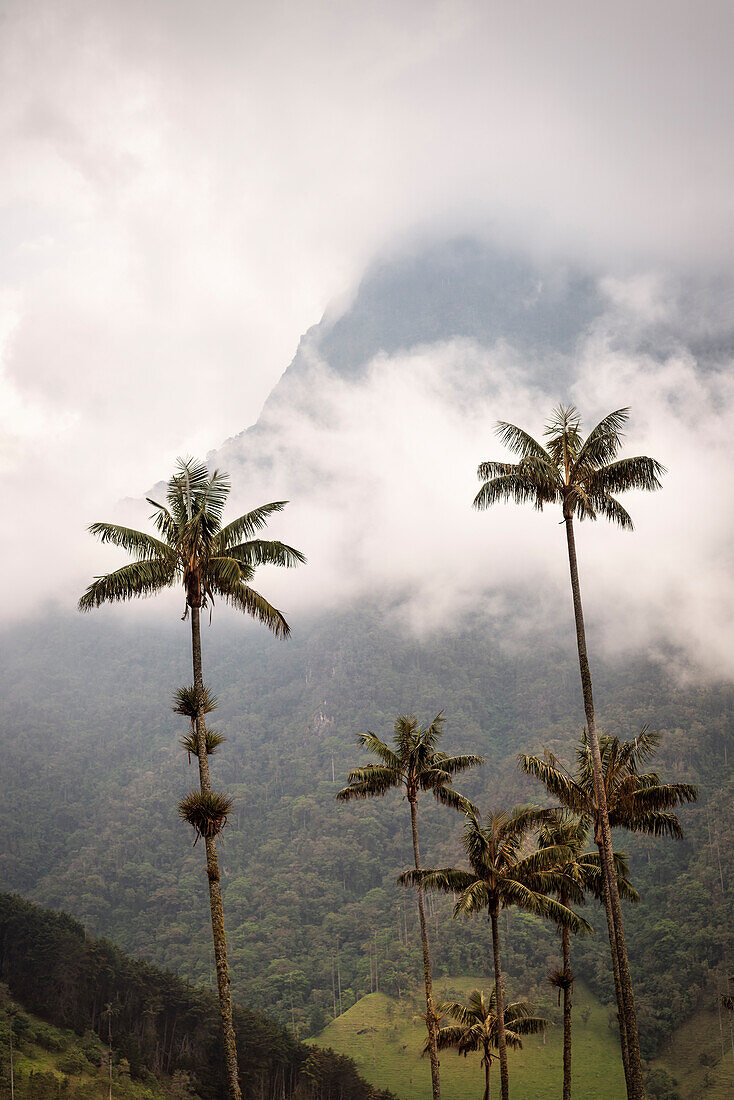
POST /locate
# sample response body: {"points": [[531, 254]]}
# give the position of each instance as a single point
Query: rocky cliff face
{"points": [[460, 289], [468, 291]]}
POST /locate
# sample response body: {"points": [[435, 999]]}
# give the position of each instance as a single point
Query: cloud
{"points": [[381, 470], [187, 187]]}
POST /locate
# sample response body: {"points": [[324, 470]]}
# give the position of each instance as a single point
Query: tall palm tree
{"points": [[634, 799], [209, 560], [580, 874], [415, 765], [582, 476], [500, 876], [478, 1028]]}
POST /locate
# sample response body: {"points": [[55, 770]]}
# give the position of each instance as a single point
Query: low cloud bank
{"points": [[381, 473]]}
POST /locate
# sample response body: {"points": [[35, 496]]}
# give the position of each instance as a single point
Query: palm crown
{"points": [[581, 872], [414, 764], [636, 800], [501, 875], [195, 550], [583, 475], [478, 1024]]}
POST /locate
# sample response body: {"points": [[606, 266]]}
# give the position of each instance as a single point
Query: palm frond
{"points": [[563, 433], [475, 897], [455, 1036], [456, 764], [265, 552], [447, 796], [602, 443], [638, 472], [213, 497], [654, 823], [250, 602], [663, 796], [190, 478], [457, 1011], [378, 747], [522, 820], [137, 579], [488, 471], [447, 880], [548, 857], [477, 844], [144, 546], [517, 487], [244, 527], [518, 441], [520, 895], [556, 780], [642, 748], [527, 1025], [608, 506], [223, 572], [372, 781]]}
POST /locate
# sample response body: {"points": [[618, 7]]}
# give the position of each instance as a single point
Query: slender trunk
{"points": [[615, 970], [431, 1019], [487, 1086], [109, 1052], [501, 1043], [12, 1067], [567, 993], [626, 1003], [215, 889]]}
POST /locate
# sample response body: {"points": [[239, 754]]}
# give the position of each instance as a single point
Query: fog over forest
{"points": [[325, 247], [177, 215]]}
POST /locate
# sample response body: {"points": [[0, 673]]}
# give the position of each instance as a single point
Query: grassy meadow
{"points": [[385, 1037], [694, 1057]]}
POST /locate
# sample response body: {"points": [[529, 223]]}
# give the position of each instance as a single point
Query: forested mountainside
{"points": [[164, 1031], [92, 772]]}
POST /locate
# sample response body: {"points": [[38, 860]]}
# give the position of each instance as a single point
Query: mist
{"points": [[187, 190], [381, 472]]}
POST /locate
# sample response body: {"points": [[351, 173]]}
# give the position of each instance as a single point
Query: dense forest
{"points": [[313, 909], [163, 1028]]}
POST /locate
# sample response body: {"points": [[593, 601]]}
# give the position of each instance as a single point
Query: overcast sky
{"points": [[186, 186]]}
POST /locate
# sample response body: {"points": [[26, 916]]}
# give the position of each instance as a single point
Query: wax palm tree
{"points": [[478, 1028], [415, 764], [580, 874], [502, 875], [583, 477], [636, 800], [209, 560]]}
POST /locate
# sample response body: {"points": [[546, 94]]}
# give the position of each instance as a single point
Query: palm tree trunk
{"points": [[501, 1042], [615, 969], [215, 889], [431, 1020], [567, 991], [626, 1002], [487, 1086]]}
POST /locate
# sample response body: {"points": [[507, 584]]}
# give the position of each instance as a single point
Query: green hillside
{"points": [[90, 826], [165, 1032], [700, 1056], [385, 1035], [49, 1062]]}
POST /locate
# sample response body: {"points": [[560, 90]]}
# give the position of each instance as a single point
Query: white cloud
{"points": [[187, 186], [381, 471]]}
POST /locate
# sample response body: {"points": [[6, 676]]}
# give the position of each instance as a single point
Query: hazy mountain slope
{"points": [[90, 819], [92, 769], [165, 1033]]}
